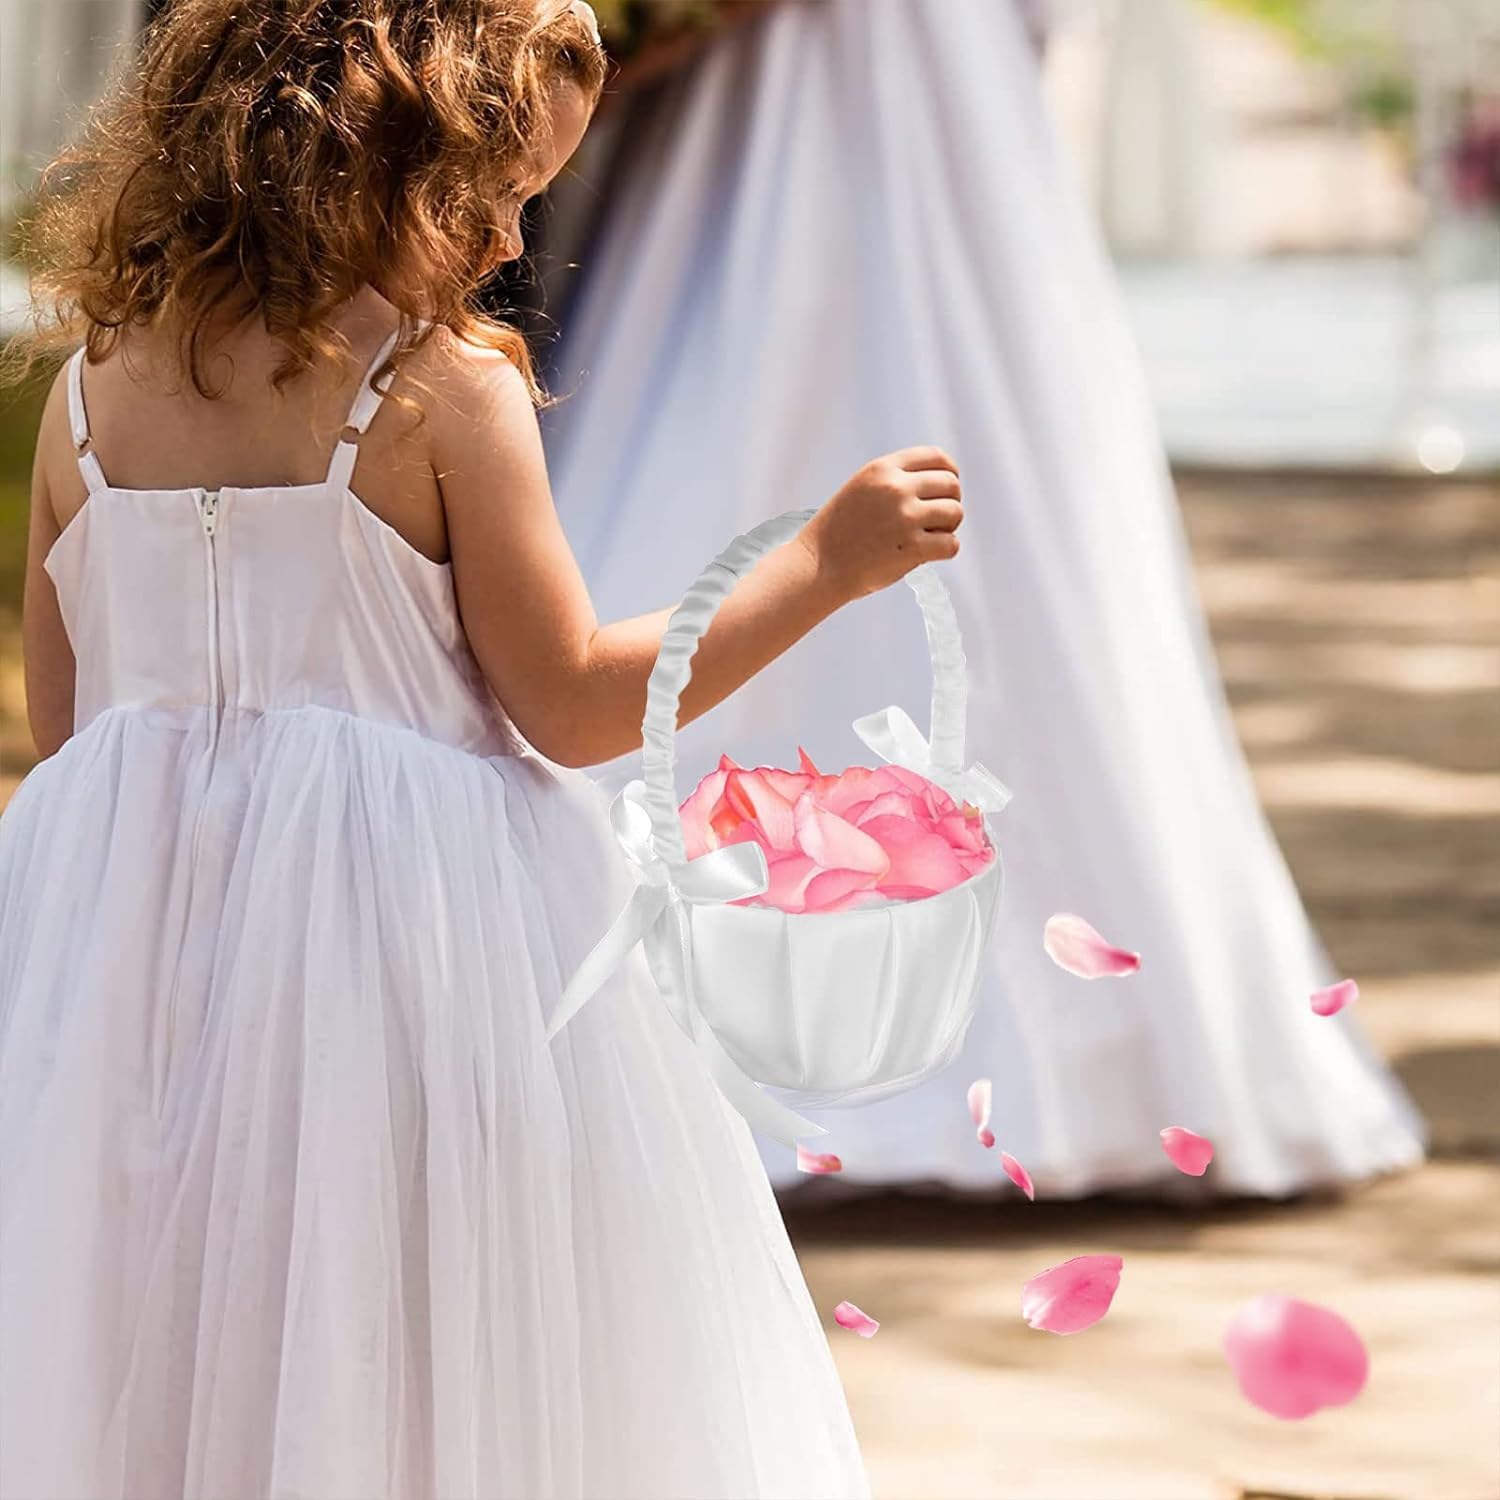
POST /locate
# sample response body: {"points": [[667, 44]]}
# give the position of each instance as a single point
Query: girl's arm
{"points": [[576, 689], [46, 653]]}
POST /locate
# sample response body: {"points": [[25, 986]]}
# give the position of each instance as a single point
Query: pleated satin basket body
{"points": [[839, 1007]]}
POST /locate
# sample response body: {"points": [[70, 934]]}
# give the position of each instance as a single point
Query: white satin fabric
{"points": [[296, 1198], [850, 229]]}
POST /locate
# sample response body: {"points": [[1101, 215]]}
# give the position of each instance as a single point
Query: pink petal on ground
{"points": [[1019, 1175], [1292, 1358], [753, 797], [1331, 1001], [1073, 945], [1187, 1151], [836, 890], [847, 1315], [1073, 1296], [835, 844], [916, 856], [981, 1094], [804, 763], [817, 1161]]}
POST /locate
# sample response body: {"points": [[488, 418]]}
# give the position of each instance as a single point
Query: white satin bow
{"points": [[893, 736], [656, 916]]}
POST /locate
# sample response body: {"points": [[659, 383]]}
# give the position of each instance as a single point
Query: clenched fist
{"points": [[894, 514]]}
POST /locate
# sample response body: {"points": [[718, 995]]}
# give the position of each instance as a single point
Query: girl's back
{"points": [[214, 564]]}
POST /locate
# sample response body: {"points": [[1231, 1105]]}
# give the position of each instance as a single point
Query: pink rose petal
{"points": [[964, 833], [981, 1095], [912, 780], [1073, 1296], [859, 784], [1019, 1175], [847, 1315], [897, 803], [836, 890], [753, 797], [790, 875], [915, 856], [804, 763], [1330, 1001], [1073, 945], [817, 1161], [789, 785], [1292, 1358], [1187, 1151], [835, 844], [697, 809]]}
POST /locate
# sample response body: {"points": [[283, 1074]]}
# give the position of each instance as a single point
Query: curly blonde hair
{"points": [[270, 157]]}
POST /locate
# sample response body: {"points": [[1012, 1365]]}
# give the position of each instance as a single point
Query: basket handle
{"points": [[691, 619]]}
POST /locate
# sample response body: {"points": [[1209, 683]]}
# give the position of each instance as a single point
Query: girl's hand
{"points": [[896, 513]]}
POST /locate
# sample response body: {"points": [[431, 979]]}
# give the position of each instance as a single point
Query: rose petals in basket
{"points": [[867, 836]]}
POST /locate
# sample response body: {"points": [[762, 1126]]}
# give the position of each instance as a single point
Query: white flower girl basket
{"points": [[836, 1007]]}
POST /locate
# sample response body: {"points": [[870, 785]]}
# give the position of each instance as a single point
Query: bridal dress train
{"points": [[296, 1200], [847, 229]]}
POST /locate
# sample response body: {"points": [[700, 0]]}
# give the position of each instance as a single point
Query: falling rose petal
{"points": [[1018, 1175], [1186, 1150], [1073, 945], [835, 844], [847, 1315], [1330, 1001], [1293, 1358], [817, 1161], [981, 1095], [1073, 1296]]}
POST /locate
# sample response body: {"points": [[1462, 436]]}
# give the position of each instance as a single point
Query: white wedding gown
{"points": [[296, 1200], [849, 229]]}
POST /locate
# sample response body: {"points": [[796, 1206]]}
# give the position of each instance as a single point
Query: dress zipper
{"points": [[208, 511], [208, 515]]}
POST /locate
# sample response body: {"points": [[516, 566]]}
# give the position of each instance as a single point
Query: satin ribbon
{"points": [[893, 736], [656, 916]]}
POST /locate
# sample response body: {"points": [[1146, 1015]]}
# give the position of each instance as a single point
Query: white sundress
{"points": [[296, 1200]]}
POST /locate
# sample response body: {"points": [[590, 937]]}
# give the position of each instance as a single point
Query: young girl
{"points": [[296, 1200]]}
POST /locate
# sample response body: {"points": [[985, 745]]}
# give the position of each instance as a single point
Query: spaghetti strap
{"points": [[361, 414], [83, 441]]}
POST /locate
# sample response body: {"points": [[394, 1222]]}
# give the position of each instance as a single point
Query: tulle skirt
{"points": [[295, 1198]]}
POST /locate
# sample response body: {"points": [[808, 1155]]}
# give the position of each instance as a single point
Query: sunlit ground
{"points": [[1358, 625]]}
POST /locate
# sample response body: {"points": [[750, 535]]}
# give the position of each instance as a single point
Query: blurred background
{"points": [[1301, 199]]}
